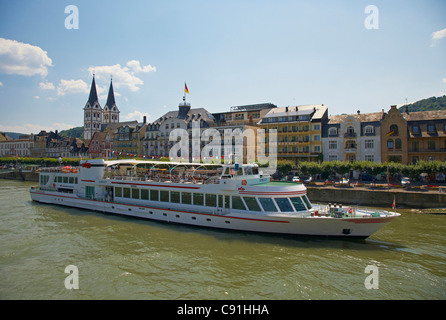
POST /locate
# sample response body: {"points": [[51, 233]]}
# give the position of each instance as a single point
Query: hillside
{"points": [[433, 103], [76, 132]]}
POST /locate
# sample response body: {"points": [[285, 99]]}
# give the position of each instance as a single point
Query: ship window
{"points": [[59, 179], [211, 200], [186, 197], [298, 204], [126, 192], [237, 203], [44, 180], [307, 202], [144, 194], [220, 201], [175, 196], [164, 196], [284, 204], [118, 192], [252, 204], [154, 195], [71, 180], [135, 193], [268, 204], [227, 203], [198, 199], [75, 180], [65, 179]]}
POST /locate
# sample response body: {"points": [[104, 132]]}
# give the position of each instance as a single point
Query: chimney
{"points": [[144, 119], [359, 112], [407, 109]]}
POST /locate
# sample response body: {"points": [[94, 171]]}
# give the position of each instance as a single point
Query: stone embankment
{"points": [[20, 175], [419, 197]]}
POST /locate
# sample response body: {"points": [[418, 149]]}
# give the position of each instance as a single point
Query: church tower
{"points": [[92, 113], [111, 112]]}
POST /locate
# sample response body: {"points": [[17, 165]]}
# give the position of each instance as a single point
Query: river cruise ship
{"points": [[236, 197]]}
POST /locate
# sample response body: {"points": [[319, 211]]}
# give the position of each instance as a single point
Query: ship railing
{"points": [[164, 178], [59, 169]]}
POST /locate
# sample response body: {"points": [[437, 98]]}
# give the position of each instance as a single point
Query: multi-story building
{"points": [[128, 139], [157, 142], [408, 137], [16, 147], [243, 115], [352, 137], [299, 131], [427, 136]]}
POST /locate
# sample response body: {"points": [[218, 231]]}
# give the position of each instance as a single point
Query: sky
{"points": [[340, 53]]}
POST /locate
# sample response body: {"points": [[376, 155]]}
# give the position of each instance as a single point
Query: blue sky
{"points": [[230, 53]]}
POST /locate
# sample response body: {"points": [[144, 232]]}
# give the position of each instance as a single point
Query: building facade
{"points": [[299, 131], [409, 137], [352, 137], [16, 147]]}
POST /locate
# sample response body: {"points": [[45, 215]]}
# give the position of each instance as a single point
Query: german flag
{"points": [[185, 88]]}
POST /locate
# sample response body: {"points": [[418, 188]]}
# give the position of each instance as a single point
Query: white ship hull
{"points": [[272, 223]]}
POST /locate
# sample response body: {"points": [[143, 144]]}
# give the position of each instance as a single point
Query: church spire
{"points": [[111, 96], [93, 93], [111, 111]]}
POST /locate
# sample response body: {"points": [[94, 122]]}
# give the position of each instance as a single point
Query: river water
{"points": [[128, 258]]}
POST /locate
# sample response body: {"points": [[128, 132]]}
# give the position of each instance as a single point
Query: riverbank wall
{"points": [[420, 199], [20, 175]]}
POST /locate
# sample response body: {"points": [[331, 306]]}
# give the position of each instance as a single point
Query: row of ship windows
{"points": [[59, 179], [220, 201]]}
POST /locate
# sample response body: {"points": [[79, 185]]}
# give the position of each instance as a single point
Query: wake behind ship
{"points": [[236, 197]]}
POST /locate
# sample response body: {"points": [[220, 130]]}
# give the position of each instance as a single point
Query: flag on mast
{"points": [[394, 203], [185, 88]]}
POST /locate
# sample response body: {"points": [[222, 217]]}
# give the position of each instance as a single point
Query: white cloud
{"points": [[36, 97], [437, 35], [72, 86], [444, 80], [123, 76], [136, 67], [136, 115], [35, 128], [1, 84], [46, 85], [23, 59]]}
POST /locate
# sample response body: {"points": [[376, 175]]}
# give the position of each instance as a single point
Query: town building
{"points": [[408, 137], [128, 139], [299, 131], [243, 115], [351, 137], [15, 147], [157, 142]]}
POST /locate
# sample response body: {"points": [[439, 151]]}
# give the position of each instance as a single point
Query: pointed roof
{"points": [[111, 97], [93, 94]]}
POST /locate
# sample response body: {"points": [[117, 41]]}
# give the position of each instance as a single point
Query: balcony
{"points": [[350, 135]]}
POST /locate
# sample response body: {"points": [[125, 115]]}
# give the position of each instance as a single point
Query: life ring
{"points": [[244, 182]]}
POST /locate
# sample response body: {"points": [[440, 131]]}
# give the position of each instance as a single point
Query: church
{"points": [[95, 116]]}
